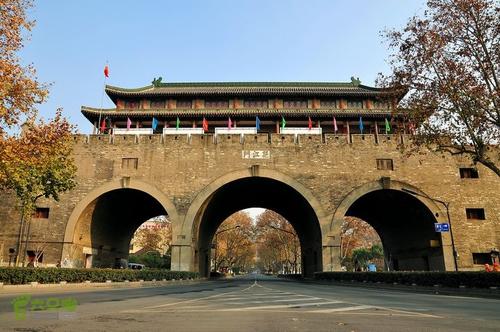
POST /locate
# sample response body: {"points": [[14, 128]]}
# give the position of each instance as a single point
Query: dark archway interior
{"points": [[406, 228], [268, 194], [116, 216]]}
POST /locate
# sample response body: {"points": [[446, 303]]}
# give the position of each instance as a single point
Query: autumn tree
{"points": [[233, 243], [35, 155], [278, 245], [20, 91], [448, 60], [156, 235], [355, 234]]}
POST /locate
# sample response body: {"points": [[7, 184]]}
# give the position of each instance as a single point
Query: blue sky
{"points": [[220, 40]]}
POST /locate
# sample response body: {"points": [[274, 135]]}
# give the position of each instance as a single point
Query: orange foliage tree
{"points": [[356, 234], [278, 245], [35, 162], [234, 247]]}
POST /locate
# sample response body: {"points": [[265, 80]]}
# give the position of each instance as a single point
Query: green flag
{"points": [[283, 122], [387, 127], [177, 123]]}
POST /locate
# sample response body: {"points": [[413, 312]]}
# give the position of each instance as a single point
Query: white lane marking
{"points": [[195, 300], [407, 312], [282, 300], [404, 312], [326, 311], [281, 306]]}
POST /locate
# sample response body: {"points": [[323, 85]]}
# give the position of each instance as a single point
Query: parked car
{"points": [[135, 266]]}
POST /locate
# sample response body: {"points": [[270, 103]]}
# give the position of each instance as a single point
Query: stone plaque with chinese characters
{"points": [[255, 154]]}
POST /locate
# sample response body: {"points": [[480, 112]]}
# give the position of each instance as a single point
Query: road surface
{"points": [[250, 303]]}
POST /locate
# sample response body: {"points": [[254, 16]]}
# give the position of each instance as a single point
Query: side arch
{"points": [[366, 188], [113, 185], [404, 222]]}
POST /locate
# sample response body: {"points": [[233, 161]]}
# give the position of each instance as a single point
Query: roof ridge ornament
{"points": [[156, 82], [355, 81]]}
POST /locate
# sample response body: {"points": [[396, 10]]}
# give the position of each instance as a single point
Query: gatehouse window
{"points": [[355, 103], [468, 173], [131, 104], [295, 103], [329, 103], [385, 164], [475, 213], [216, 103], [157, 103], [481, 258], [41, 213], [130, 163], [255, 103], [377, 104], [184, 103]]}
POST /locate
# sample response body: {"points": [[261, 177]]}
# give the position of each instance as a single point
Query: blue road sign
{"points": [[442, 227]]}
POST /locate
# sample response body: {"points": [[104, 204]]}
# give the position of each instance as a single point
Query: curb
{"points": [[491, 293], [89, 285]]}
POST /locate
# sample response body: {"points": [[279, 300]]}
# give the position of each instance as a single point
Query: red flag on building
{"points": [[310, 123], [205, 125], [106, 71], [229, 123]]}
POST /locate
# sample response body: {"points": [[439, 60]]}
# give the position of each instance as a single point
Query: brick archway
{"points": [[365, 196], [249, 184], [79, 238]]}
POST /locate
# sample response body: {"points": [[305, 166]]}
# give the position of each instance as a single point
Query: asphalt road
{"points": [[250, 303]]}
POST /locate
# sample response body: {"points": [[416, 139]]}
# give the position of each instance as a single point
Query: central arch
{"points": [[284, 196]]}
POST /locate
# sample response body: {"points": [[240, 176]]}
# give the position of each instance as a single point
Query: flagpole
{"points": [[102, 100]]}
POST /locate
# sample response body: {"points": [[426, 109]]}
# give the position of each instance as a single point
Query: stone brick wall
{"points": [[330, 167]]}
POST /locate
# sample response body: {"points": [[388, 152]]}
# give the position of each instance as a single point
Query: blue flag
{"points": [[257, 123], [361, 124], [154, 124]]}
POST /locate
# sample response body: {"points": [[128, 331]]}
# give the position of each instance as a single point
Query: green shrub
{"points": [[445, 279], [17, 275]]}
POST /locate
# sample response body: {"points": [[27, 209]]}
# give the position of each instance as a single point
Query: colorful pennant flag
{"points": [[106, 71], [283, 123], [177, 123], [229, 123], [129, 123], [310, 123], [205, 125], [335, 128], [387, 127], [361, 127], [257, 123], [154, 124]]}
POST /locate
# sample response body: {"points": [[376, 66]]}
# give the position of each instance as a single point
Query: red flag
{"points": [[106, 71], [205, 125], [229, 123], [310, 123]]}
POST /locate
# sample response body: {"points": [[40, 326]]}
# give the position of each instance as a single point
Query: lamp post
{"points": [[215, 253], [447, 206]]}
